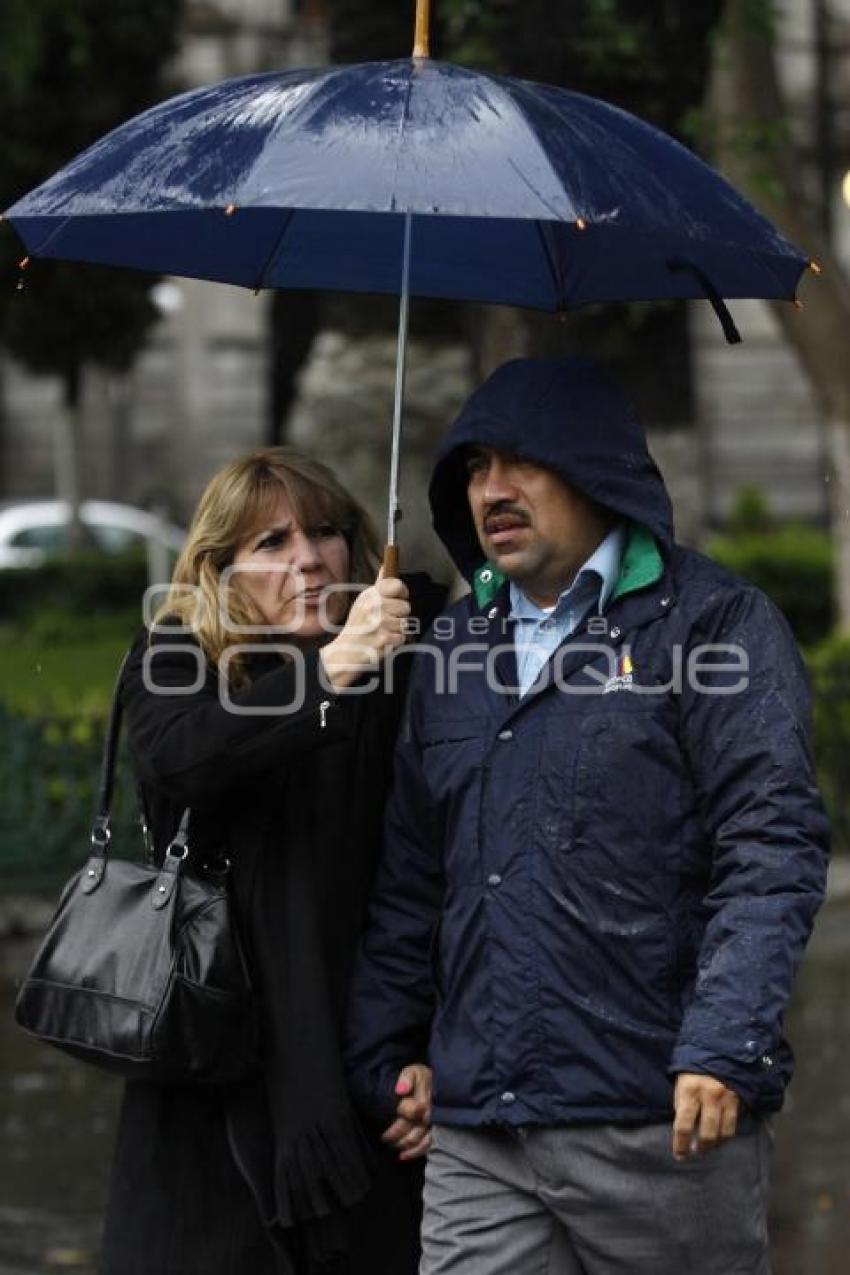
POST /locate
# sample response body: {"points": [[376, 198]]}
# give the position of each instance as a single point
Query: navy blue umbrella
{"points": [[413, 177]]}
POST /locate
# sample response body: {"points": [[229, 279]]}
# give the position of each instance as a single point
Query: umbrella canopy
{"points": [[518, 193], [413, 177]]}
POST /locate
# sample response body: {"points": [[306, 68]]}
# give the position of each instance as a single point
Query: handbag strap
{"points": [[101, 834]]}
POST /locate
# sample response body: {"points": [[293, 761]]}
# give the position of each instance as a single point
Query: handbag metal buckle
{"points": [[218, 867], [182, 846], [147, 840], [101, 834]]}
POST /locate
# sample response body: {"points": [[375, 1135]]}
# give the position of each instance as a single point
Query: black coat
{"points": [[272, 1175]]}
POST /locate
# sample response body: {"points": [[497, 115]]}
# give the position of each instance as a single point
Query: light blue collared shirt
{"points": [[541, 630]]}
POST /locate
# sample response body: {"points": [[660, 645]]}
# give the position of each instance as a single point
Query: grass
{"points": [[62, 665]]}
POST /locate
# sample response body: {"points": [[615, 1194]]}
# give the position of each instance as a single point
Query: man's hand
{"points": [[410, 1132], [706, 1114]]}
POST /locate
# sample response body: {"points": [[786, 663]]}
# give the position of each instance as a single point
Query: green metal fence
{"points": [[832, 747], [49, 770]]}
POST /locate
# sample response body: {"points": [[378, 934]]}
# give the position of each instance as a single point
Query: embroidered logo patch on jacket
{"points": [[624, 677]]}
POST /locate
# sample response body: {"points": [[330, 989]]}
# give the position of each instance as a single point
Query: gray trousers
{"points": [[593, 1200]]}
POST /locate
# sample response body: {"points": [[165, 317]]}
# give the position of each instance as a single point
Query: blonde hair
{"points": [[237, 501]]}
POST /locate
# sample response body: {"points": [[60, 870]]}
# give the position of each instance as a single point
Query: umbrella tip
{"points": [[798, 304], [815, 267], [422, 30], [581, 224], [230, 210]]}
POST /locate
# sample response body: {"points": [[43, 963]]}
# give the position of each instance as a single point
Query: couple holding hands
{"points": [[522, 918]]}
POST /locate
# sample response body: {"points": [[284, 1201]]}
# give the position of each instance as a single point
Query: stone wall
{"points": [[344, 415]]}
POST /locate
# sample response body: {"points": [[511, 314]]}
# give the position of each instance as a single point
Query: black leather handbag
{"points": [[141, 971]]}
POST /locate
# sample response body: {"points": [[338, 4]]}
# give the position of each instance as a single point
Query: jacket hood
{"points": [[568, 415]]}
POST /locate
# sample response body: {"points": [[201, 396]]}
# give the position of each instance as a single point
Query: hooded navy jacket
{"points": [[612, 879]]}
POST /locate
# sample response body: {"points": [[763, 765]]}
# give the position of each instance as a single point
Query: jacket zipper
{"points": [[323, 712]]}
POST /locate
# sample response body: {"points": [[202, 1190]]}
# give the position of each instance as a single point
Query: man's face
{"points": [[535, 528]]}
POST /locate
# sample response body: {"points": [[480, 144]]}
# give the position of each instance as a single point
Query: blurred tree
{"points": [[755, 146], [360, 31], [68, 74], [651, 57], [369, 30], [648, 56]]}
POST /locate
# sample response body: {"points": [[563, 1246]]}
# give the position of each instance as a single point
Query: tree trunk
{"points": [[293, 321], [119, 396], [67, 453], [496, 333], [838, 441], [755, 152], [3, 483]]}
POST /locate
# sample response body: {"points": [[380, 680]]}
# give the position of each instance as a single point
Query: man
{"points": [[605, 850]]}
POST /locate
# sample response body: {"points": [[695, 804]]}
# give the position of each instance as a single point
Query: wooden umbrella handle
{"points": [[421, 39], [390, 560]]}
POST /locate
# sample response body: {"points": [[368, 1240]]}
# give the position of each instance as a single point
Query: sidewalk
{"points": [[838, 883]]}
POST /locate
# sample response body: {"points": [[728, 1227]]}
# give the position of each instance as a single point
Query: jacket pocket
{"points": [[452, 759], [627, 791], [452, 753]]}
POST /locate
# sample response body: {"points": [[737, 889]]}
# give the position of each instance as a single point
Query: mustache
{"points": [[501, 510]]}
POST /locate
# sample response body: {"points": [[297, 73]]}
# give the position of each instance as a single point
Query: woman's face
{"points": [[285, 568]]}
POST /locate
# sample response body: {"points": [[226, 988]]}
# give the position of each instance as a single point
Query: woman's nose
{"points": [[304, 554]]}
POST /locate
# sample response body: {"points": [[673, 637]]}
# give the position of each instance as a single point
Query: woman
{"points": [[235, 707]]}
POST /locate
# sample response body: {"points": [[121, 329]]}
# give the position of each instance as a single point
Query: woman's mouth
{"points": [[312, 596]]}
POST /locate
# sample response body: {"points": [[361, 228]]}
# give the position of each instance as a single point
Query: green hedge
{"points": [[829, 665], [75, 584], [793, 565]]}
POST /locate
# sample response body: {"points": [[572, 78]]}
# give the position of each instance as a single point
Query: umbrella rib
{"points": [[48, 240], [276, 246], [401, 124]]}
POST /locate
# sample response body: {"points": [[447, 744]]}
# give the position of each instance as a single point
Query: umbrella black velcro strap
{"points": [[727, 323]]}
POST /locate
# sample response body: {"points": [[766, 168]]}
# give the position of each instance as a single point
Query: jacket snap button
{"points": [[615, 633], [665, 602], [486, 576], [506, 734], [162, 889], [766, 1060], [492, 613], [508, 1097], [494, 879]]}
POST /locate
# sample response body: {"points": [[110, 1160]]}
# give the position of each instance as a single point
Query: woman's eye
{"points": [[272, 541]]}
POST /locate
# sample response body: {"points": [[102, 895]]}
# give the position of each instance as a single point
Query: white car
{"points": [[32, 531]]}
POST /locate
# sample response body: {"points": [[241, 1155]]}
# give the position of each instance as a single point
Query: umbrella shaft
{"points": [[422, 32], [401, 357]]}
